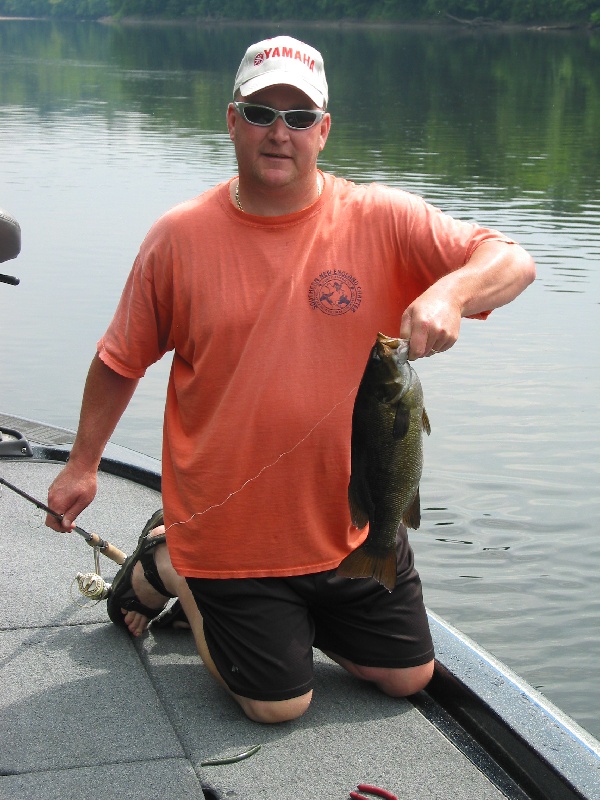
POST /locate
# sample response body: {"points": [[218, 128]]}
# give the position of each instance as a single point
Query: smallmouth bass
{"points": [[388, 421]]}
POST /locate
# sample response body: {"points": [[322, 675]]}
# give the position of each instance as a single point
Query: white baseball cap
{"points": [[283, 60]]}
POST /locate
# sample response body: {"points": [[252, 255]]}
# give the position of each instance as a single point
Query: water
{"points": [[103, 128]]}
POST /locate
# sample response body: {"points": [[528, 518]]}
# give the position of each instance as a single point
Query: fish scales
{"points": [[388, 421]]}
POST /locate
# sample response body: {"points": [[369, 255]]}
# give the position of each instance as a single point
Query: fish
{"points": [[388, 421]]}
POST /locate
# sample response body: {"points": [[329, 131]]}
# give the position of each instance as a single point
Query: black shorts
{"points": [[260, 631]]}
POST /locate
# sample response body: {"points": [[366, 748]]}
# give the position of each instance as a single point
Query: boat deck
{"points": [[87, 710], [84, 705]]}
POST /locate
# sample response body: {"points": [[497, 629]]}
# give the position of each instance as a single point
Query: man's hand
{"points": [[70, 492], [432, 323]]}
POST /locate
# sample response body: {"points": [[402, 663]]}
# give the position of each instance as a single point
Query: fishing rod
{"points": [[95, 541]]}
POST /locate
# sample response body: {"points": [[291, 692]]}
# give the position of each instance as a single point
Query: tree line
{"points": [[470, 12]]}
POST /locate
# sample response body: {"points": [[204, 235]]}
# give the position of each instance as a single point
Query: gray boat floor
{"points": [[88, 711]]}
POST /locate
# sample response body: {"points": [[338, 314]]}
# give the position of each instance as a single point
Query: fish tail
{"points": [[363, 563]]}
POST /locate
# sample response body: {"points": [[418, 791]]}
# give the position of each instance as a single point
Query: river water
{"points": [[103, 128]]}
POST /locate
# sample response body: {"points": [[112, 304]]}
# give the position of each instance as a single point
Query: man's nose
{"points": [[279, 130]]}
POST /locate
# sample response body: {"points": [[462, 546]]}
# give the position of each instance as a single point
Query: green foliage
{"points": [[518, 11], [65, 9], [577, 11]]}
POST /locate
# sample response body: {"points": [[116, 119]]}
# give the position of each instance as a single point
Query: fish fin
{"points": [[426, 423], [401, 422], [357, 513], [412, 515], [364, 564]]}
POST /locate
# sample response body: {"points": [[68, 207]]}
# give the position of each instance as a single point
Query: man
{"points": [[270, 290]]}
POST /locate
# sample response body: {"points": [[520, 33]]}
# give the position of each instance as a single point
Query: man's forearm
{"points": [[105, 398], [496, 274]]}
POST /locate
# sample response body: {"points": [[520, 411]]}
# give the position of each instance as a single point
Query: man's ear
{"points": [[325, 128], [231, 120]]}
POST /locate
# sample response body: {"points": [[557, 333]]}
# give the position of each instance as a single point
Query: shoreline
{"points": [[477, 25]]}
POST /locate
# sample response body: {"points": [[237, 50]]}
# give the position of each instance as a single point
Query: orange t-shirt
{"points": [[271, 320]]}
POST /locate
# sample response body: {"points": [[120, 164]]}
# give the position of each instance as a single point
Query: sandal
{"points": [[173, 617], [121, 591]]}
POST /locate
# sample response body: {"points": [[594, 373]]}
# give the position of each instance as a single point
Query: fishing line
{"points": [[37, 519], [266, 467], [93, 586]]}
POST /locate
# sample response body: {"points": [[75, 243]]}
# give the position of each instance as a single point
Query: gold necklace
{"points": [[237, 196], [239, 202]]}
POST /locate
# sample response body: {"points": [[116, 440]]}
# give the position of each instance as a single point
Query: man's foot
{"points": [[138, 593]]}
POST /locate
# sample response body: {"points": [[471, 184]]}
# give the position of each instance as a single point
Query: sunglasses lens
{"points": [[300, 119], [265, 116], [259, 115]]}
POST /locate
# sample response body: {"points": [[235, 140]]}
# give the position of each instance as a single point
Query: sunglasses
{"points": [[298, 120]]}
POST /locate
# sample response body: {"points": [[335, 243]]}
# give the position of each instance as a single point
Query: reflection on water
{"points": [[107, 127]]}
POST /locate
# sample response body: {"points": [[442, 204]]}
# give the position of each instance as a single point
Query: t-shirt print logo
{"points": [[335, 292]]}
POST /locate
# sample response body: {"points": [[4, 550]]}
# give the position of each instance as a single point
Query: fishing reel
{"points": [[91, 584]]}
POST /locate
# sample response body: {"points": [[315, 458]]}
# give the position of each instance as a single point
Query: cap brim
{"points": [[279, 78]]}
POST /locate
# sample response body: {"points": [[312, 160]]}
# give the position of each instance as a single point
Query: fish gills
{"points": [[388, 421]]}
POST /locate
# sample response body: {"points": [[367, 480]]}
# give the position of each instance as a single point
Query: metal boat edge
{"points": [[524, 744]]}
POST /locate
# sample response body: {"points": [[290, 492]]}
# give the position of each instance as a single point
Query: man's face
{"points": [[277, 156]]}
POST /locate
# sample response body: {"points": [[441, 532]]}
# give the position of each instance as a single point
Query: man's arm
{"points": [[495, 274], [105, 398]]}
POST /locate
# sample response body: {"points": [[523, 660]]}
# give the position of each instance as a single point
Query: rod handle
{"points": [[107, 549]]}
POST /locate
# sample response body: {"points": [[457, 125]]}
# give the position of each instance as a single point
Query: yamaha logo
{"points": [[285, 52]]}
